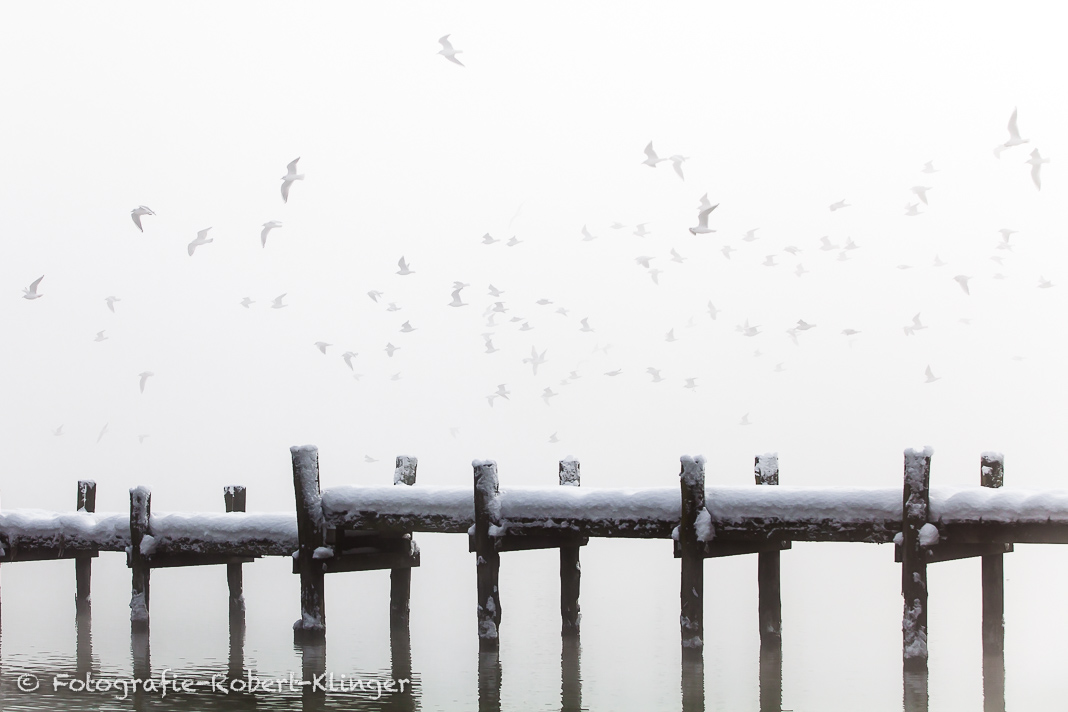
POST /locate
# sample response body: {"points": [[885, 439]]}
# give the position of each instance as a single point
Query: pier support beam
{"points": [[992, 474], [691, 619], [311, 533], [570, 568], [400, 579], [234, 499], [83, 563], [140, 512], [488, 559], [916, 504]]}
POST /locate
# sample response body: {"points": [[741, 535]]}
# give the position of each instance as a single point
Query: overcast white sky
{"points": [[782, 110]]}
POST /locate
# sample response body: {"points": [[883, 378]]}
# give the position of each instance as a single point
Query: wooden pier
{"points": [[360, 528]]}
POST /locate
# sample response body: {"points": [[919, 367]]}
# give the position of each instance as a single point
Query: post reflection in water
{"points": [[236, 660], [693, 680], [571, 675], [312, 665], [994, 683], [915, 684], [400, 653], [489, 681], [83, 636], [142, 666], [771, 675]]}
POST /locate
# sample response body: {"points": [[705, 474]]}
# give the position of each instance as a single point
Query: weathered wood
{"points": [[400, 578], [976, 532], [488, 560], [994, 683], [178, 559], [691, 619], [915, 507], [489, 681], [234, 499], [554, 539], [716, 549], [571, 675], [372, 560], [400, 658], [570, 568], [952, 552], [311, 532], [83, 562], [693, 680], [770, 674], [140, 513], [992, 474], [757, 529], [769, 605]]}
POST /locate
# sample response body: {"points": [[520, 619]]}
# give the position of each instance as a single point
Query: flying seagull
{"points": [[277, 303], [390, 348], [144, 377], [111, 303], [586, 235], [404, 270], [916, 326], [30, 292], [103, 431], [1014, 137], [929, 167], [246, 301], [456, 299], [839, 205], [58, 431], [962, 280], [702, 221], [100, 336], [676, 163], [931, 378], [921, 192], [201, 239], [321, 345], [651, 159], [136, 214], [488, 239], [348, 356], [448, 52], [1036, 160], [290, 176], [535, 359], [267, 227]]}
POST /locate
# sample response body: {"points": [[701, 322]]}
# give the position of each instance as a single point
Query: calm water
{"points": [[841, 627]]}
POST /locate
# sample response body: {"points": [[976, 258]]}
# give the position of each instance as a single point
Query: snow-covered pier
{"points": [[354, 528]]}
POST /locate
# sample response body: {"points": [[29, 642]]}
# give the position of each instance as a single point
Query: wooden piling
{"points": [[570, 568], [992, 474], [692, 479], [915, 506], [400, 579], [769, 606], [83, 563], [234, 499], [311, 535], [140, 512], [488, 560]]}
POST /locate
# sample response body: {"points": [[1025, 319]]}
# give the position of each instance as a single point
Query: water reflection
{"points": [[771, 675], [489, 681], [83, 636], [312, 667], [994, 683], [915, 684], [693, 680], [570, 674], [400, 653]]}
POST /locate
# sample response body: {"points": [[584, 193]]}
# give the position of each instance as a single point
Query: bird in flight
{"points": [[30, 292], [290, 176], [931, 378], [655, 373], [144, 378], [712, 311], [1036, 160], [962, 280], [245, 302], [929, 167], [267, 227], [404, 270], [448, 52], [390, 349], [348, 356], [407, 328], [103, 431], [201, 239], [58, 431], [100, 336], [586, 235], [456, 299], [702, 221], [676, 163], [111, 303], [1014, 137], [535, 359], [750, 235], [585, 324], [912, 209], [839, 205], [136, 214], [915, 326], [691, 383], [547, 394], [277, 303], [512, 242], [676, 257], [321, 345], [640, 230], [921, 192], [488, 239], [651, 159], [744, 420]]}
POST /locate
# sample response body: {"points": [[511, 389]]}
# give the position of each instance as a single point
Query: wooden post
{"points": [[234, 499], [489, 681], [570, 568], [83, 563], [692, 479], [571, 675], [140, 512], [488, 560], [400, 580], [915, 506], [311, 535], [992, 474], [766, 471]]}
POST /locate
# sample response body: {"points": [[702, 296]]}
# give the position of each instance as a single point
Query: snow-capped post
{"points": [[992, 474], [570, 569], [234, 499], [83, 563], [488, 560], [311, 535], [692, 478], [140, 513], [769, 607], [400, 579], [915, 506]]}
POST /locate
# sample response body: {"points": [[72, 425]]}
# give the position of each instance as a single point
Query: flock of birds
{"points": [[497, 307]]}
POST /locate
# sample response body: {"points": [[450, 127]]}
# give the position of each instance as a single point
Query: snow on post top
{"points": [[693, 469], [993, 456], [405, 470], [303, 449], [569, 471], [992, 470], [915, 467]]}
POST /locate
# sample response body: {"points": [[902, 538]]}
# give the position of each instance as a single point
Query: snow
{"points": [[104, 531], [138, 609], [405, 470], [928, 535], [323, 552], [801, 504], [915, 637], [767, 468], [569, 471], [703, 526], [970, 504], [273, 532], [148, 545]]}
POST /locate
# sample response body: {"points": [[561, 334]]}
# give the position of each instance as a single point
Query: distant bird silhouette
{"points": [[290, 176], [586, 235], [277, 303], [321, 345], [391, 349], [676, 163], [404, 269], [488, 239], [30, 292], [267, 227], [915, 326], [1036, 160], [931, 378], [712, 311], [448, 52], [655, 373], [962, 280], [535, 359], [929, 167], [702, 221], [456, 299], [676, 257], [348, 356], [640, 230], [136, 214], [144, 378], [103, 431], [921, 192], [201, 239], [57, 431], [100, 336], [651, 159], [1014, 137], [111, 303], [839, 205], [245, 302]]}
